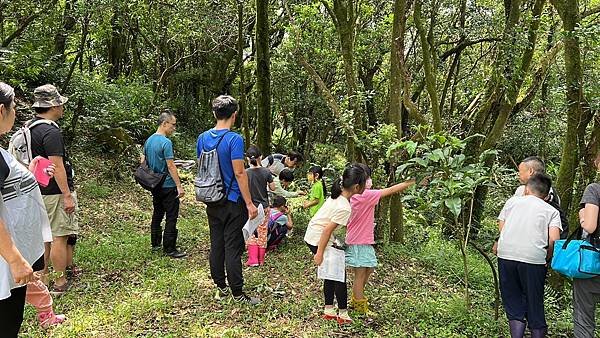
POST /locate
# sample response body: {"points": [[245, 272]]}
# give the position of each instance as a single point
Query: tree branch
{"points": [[462, 45]]}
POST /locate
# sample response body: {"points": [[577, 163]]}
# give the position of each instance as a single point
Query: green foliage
{"points": [[452, 176]]}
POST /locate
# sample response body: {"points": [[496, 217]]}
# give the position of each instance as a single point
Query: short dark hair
{"points": [[286, 175], [535, 163], [41, 110], [352, 175], [224, 106], [295, 156], [7, 94], [278, 201], [365, 168], [253, 153], [540, 184], [165, 116]]}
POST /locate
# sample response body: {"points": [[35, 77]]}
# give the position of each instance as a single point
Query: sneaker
{"points": [[48, 319], [221, 292], [244, 298], [156, 248], [330, 314], [176, 254], [344, 318]]}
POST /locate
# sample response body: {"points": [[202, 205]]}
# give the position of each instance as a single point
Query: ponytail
{"points": [[253, 154], [353, 175], [319, 171]]}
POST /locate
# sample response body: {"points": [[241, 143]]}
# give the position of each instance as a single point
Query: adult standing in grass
{"points": [[59, 196], [586, 292], [227, 219], [21, 242], [158, 152]]}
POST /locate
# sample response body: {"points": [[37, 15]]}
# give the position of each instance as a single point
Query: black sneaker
{"points": [[156, 248], [221, 292], [176, 254], [245, 299]]}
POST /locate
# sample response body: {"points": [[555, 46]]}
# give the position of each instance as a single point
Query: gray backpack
{"points": [[209, 185], [20, 143]]}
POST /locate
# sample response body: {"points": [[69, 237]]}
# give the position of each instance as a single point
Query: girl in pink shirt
{"points": [[360, 237]]}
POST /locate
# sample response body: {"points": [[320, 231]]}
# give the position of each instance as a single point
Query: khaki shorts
{"points": [[61, 223]]}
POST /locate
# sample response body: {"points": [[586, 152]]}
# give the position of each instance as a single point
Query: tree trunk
{"points": [[394, 115], [60, 39], [263, 76], [116, 49], [430, 73], [568, 12], [242, 113]]}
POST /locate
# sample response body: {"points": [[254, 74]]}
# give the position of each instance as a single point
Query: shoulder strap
{"points": [[219, 142], [30, 124], [276, 216]]}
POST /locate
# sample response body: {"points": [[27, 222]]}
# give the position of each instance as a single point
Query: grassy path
{"points": [[128, 291]]}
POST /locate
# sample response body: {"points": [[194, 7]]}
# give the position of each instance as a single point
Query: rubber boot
{"points": [[252, 255], [538, 333], [517, 328], [261, 255], [353, 304]]}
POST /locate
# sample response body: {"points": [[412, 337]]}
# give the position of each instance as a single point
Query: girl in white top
{"points": [[334, 214]]}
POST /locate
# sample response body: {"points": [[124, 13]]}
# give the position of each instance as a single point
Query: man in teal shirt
{"points": [[158, 152]]}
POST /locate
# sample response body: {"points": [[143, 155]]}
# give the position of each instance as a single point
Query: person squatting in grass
{"points": [[260, 181], [360, 237], [318, 191], [528, 228], [280, 223], [334, 214]]}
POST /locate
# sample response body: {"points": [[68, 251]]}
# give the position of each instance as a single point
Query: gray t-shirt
{"points": [[258, 179], [524, 237], [591, 195]]}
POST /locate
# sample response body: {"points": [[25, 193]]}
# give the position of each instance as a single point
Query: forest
{"points": [[455, 91]]}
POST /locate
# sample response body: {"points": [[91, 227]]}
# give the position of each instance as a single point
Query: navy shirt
{"points": [[230, 149], [158, 149]]}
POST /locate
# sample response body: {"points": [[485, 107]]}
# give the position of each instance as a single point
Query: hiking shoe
{"points": [[344, 318], [244, 298], [221, 292], [176, 254], [330, 314], [48, 319], [58, 290], [73, 271]]}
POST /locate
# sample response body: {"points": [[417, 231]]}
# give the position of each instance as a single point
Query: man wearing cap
{"points": [[59, 196]]}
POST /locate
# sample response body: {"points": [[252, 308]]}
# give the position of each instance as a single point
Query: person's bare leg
{"points": [[58, 255], [47, 248], [70, 250], [358, 287]]}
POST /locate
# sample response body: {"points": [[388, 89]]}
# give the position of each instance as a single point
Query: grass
{"points": [[128, 291]]}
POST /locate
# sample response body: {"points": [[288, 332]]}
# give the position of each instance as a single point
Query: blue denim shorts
{"points": [[361, 256]]}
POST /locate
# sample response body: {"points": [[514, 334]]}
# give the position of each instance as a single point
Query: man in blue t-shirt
{"points": [[158, 152], [226, 220]]}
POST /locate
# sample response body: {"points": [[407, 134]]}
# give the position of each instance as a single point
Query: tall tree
{"points": [[263, 76], [568, 10], [344, 14], [394, 114]]}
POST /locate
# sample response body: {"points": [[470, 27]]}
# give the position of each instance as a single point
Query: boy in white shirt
{"points": [[528, 228]]}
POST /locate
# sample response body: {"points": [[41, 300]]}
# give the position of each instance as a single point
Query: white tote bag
{"points": [[333, 266]]}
